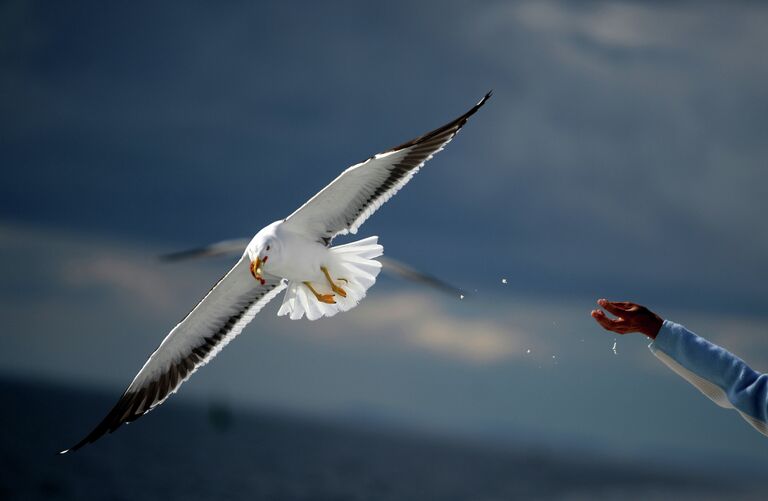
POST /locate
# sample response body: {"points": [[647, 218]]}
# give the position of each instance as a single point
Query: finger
{"points": [[616, 309], [607, 323], [620, 304]]}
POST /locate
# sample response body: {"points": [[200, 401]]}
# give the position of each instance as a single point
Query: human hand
{"points": [[631, 317]]}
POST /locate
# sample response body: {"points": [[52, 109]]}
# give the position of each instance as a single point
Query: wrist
{"points": [[654, 326]]}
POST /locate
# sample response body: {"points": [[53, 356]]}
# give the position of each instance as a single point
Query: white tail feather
{"points": [[353, 262]]}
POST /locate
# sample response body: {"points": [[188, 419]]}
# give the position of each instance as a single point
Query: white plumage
{"points": [[302, 260], [355, 263], [293, 254]]}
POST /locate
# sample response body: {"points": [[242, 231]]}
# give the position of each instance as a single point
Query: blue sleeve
{"points": [[719, 374]]}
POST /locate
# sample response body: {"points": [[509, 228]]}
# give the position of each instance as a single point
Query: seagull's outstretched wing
{"points": [[345, 204], [223, 248], [406, 272], [215, 321]]}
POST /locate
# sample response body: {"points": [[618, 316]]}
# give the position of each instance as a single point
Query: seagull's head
{"points": [[263, 245]]}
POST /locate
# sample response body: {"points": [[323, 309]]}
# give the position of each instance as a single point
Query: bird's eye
{"points": [[267, 247]]}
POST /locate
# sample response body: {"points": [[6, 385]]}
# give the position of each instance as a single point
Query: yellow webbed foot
{"points": [[323, 298], [338, 290]]}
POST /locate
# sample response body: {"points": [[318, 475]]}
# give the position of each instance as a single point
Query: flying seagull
{"points": [[294, 254], [389, 264]]}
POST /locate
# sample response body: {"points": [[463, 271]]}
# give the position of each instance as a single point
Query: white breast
{"points": [[299, 258]]}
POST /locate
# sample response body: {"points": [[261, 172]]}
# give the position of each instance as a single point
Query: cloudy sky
{"points": [[622, 155]]}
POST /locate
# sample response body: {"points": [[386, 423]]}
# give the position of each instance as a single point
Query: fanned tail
{"points": [[352, 266]]}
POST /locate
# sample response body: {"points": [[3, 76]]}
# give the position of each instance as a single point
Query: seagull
{"points": [[294, 254], [389, 264]]}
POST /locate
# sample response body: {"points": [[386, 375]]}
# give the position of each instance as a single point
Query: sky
{"points": [[622, 155]]}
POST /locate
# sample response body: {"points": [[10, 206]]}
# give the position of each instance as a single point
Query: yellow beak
{"points": [[256, 269]]}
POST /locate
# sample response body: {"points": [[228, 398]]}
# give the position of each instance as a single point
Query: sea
{"points": [[188, 451]]}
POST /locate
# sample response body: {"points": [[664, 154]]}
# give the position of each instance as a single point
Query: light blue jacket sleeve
{"points": [[720, 375]]}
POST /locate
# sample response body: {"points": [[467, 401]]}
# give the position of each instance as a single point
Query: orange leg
{"points": [[338, 290], [323, 298]]}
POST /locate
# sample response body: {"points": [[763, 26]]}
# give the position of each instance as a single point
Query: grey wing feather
{"points": [[345, 204], [215, 321]]}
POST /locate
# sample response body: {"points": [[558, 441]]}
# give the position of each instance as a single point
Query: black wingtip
{"points": [[70, 449], [173, 257], [455, 124], [479, 104], [124, 411], [223, 248], [465, 116], [459, 122], [404, 271], [75, 447]]}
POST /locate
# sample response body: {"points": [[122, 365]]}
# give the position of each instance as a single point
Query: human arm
{"points": [[720, 375]]}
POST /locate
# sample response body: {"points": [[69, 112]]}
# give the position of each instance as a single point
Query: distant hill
{"points": [[197, 452]]}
